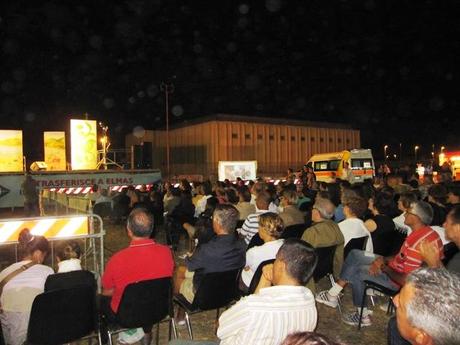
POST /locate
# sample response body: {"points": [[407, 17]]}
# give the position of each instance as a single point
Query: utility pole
{"points": [[167, 88]]}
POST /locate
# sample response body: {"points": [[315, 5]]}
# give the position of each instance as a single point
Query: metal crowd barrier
{"points": [[88, 228]]}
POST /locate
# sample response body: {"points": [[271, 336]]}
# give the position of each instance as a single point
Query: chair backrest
{"points": [[145, 303], [258, 273], [294, 231], [255, 241], [103, 209], [70, 279], [325, 262], [62, 316], [450, 249], [239, 223], [216, 290], [355, 243]]}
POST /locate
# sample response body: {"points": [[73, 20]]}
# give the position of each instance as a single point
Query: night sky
{"points": [[389, 68]]}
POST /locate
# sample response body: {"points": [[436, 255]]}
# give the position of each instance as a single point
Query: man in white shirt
{"points": [[251, 224], [280, 306]]}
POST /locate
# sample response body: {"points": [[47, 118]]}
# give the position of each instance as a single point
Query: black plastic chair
{"points": [[450, 249], [255, 242], [63, 316], [144, 304], [374, 286], [257, 275], [70, 279], [355, 243], [216, 290], [293, 231], [325, 264], [239, 223]]}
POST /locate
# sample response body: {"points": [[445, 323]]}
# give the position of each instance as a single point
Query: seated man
{"points": [[251, 224], [428, 306], [324, 232], [389, 272], [222, 253], [280, 306], [142, 260], [290, 214]]}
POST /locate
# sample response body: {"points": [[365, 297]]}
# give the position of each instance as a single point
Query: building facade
{"points": [[196, 147]]}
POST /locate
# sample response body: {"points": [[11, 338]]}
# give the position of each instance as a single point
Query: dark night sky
{"points": [[389, 68]]}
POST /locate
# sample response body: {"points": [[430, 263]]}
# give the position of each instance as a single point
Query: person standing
{"points": [[29, 189]]}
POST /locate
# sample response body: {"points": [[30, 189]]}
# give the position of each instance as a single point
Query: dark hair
{"points": [[140, 222], [68, 250], [29, 243], [454, 214], [333, 190], [307, 338], [454, 188], [211, 205], [245, 193], [232, 197], [408, 198], [207, 188], [355, 203], [300, 259], [384, 203], [438, 192]]}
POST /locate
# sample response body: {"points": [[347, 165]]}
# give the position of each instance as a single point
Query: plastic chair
{"points": [[216, 290], [70, 279], [374, 286], [144, 304], [294, 231], [450, 249], [257, 275], [355, 243], [63, 316], [325, 264]]}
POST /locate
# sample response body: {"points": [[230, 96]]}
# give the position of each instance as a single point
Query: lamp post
{"points": [[416, 147], [167, 88], [385, 152]]}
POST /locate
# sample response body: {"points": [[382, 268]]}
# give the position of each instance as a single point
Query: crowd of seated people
{"points": [[403, 233]]}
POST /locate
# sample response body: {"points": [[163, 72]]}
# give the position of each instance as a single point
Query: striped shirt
{"points": [[268, 317], [251, 225], [409, 258]]}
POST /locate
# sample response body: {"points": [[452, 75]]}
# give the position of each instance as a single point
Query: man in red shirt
{"points": [[144, 259], [389, 272]]}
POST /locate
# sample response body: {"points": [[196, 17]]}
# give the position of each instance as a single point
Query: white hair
{"points": [[435, 307]]}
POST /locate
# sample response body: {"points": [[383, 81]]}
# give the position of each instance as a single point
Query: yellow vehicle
{"points": [[328, 166]]}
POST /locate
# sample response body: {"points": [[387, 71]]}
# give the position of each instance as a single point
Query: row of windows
{"points": [[283, 138]]}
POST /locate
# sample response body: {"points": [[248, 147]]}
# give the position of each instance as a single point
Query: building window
{"points": [[292, 138], [348, 141], [302, 138], [330, 140], [312, 139], [272, 137], [321, 140], [234, 135], [259, 136], [282, 138], [339, 140], [247, 136]]}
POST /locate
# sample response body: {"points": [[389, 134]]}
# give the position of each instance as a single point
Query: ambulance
{"points": [[328, 166], [452, 159]]}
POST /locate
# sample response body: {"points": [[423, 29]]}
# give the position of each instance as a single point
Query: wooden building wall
{"points": [[197, 149]]}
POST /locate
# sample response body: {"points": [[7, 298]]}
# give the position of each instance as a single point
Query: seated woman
{"points": [[69, 273], [271, 228], [21, 283]]}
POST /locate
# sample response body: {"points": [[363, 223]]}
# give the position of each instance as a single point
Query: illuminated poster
{"points": [[54, 150], [247, 170], [11, 159], [83, 139]]}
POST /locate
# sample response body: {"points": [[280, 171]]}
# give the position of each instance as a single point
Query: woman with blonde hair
{"points": [[271, 227]]}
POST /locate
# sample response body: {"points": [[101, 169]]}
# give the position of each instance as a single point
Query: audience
{"points": [[244, 206], [251, 224], [389, 272], [289, 212], [307, 338], [20, 283]]}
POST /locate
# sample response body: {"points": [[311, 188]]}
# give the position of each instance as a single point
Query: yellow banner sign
{"points": [[55, 150], [83, 135], [48, 227], [11, 151]]}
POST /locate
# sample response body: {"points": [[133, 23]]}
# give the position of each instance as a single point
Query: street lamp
{"points": [[415, 152], [442, 149], [168, 88], [385, 151]]}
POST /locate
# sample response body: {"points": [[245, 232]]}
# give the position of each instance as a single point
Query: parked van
{"points": [[328, 166]]}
